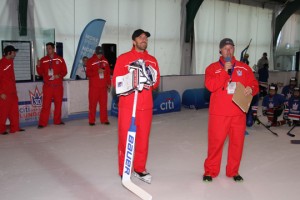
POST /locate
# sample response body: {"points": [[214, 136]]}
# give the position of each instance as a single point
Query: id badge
{"points": [[101, 75], [231, 87], [50, 72]]}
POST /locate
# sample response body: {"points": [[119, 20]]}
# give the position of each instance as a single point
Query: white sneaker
{"points": [[269, 124], [144, 176]]}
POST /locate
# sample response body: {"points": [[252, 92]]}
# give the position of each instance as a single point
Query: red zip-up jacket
{"points": [[92, 66], [121, 68], [7, 77], [216, 81], [58, 65]]}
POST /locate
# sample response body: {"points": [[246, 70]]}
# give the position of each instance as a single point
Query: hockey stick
{"points": [[266, 127], [295, 141], [129, 154], [291, 134]]}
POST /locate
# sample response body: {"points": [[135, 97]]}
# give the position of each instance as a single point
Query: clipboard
{"points": [[242, 101]]}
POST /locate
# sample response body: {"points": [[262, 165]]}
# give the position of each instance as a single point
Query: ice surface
{"points": [[79, 162]]}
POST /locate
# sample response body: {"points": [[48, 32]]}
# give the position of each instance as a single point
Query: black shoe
{"points": [[106, 123], [207, 178], [92, 124], [238, 178], [40, 126], [61, 123], [21, 130], [4, 133]]}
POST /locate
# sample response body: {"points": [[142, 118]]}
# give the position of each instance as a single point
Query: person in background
{"points": [[287, 91], [98, 73], [81, 70], [294, 108], [9, 108], [225, 117], [53, 69], [262, 61], [273, 105], [263, 77], [246, 59]]}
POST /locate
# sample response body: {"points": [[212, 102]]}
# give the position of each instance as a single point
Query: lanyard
{"points": [[50, 63]]}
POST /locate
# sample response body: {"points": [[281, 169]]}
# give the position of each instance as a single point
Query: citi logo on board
{"points": [[167, 105]]}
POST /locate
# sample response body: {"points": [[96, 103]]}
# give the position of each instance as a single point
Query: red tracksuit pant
{"points": [[49, 93], [9, 109], [98, 95], [143, 122], [219, 127]]}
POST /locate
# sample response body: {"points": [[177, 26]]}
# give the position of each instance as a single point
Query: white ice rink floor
{"points": [[79, 162]]}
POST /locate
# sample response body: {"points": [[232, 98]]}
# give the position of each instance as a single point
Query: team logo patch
{"points": [[36, 97], [295, 106], [239, 72]]}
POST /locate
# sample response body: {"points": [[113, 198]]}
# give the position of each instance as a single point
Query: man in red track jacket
{"points": [[144, 105], [225, 117], [98, 73], [8, 92], [53, 69]]}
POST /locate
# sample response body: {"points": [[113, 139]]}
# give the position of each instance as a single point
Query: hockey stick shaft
{"points": [[267, 127], [292, 128], [289, 132], [129, 157]]}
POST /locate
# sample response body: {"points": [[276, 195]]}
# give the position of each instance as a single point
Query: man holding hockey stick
{"points": [[138, 62], [225, 117]]}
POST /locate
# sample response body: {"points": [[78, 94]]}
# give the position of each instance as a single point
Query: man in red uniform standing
{"points": [[8, 92], [225, 117], [98, 73], [144, 106], [53, 69]]}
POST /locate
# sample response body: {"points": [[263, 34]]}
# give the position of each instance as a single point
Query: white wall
{"points": [[217, 19], [69, 17]]}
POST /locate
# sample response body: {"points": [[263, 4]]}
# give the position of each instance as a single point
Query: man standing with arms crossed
{"points": [[53, 69], [144, 106], [8, 92], [225, 117]]}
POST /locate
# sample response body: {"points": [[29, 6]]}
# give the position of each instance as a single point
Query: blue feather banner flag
{"points": [[89, 39]]}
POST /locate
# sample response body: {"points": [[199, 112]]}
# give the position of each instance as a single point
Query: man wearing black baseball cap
{"points": [[9, 108], [225, 117], [98, 72], [138, 54]]}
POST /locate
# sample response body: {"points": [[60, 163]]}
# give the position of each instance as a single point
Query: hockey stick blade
{"points": [[136, 190], [295, 141], [291, 134], [267, 127]]}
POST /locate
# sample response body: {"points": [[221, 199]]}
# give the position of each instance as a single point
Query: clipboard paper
{"points": [[242, 101]]}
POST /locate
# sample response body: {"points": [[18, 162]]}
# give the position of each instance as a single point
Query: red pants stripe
{"points": [[98, 95], [9, 109], [49, 93], [219, 127], [143, 125]]}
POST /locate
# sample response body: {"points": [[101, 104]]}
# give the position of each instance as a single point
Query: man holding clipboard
{"points": [[226, 118]]}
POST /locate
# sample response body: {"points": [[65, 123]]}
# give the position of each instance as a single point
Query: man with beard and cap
{"points": [[137, 55], [225, 117]]}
